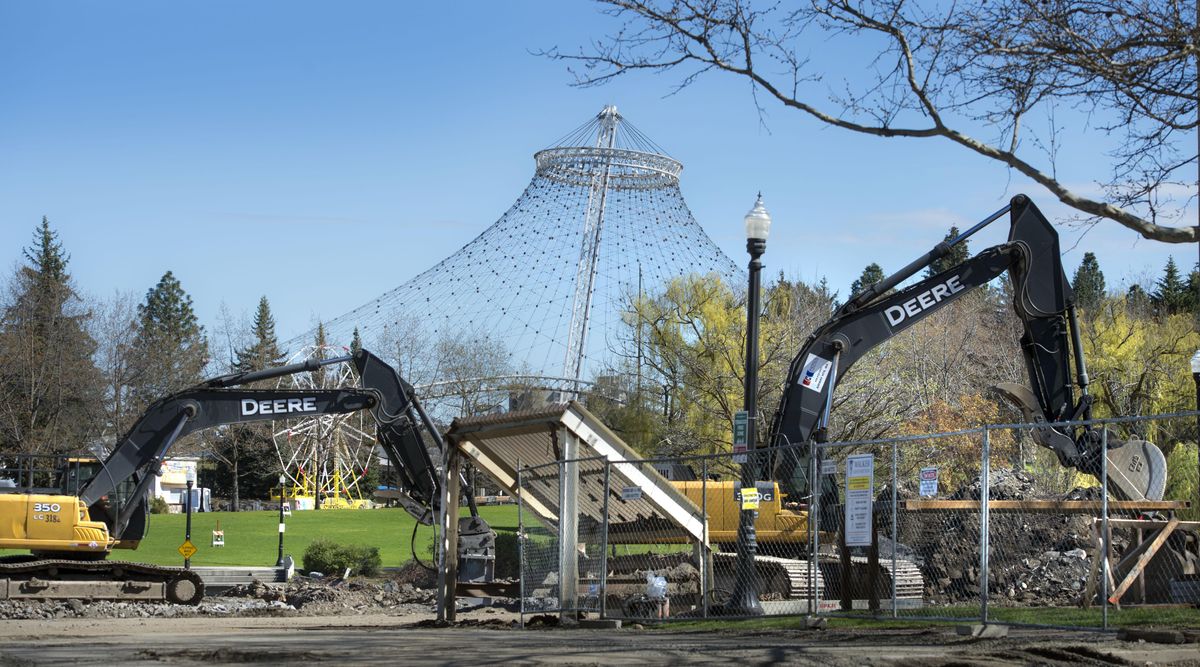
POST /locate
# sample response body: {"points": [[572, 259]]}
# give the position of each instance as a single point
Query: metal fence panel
{"points": [[978, 524], [539, 540]]}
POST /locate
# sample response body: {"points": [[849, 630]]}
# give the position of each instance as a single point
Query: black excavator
{"points": [[71, 535], [1044, 302]]}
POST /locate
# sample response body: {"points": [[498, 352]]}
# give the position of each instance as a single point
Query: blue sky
{"points": [[322, 153]]}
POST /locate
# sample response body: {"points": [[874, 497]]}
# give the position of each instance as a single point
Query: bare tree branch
{"points": [[951, 70]]}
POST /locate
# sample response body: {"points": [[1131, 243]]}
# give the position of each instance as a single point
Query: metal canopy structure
{"points": [[568, 433], [545, 290]]}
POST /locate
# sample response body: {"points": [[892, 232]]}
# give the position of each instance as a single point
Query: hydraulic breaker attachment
{"points": [[1137, 469]]}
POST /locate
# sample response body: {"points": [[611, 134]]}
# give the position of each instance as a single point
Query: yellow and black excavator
{"points": [[1045, 304], [71, 533]]}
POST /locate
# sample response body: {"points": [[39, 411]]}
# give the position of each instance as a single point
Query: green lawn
{"points": [[252, 538]]}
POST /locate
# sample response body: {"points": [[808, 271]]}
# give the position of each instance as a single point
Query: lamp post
{"points": [[744, 601], [279, 561], [1196, 380], [187, 535]]}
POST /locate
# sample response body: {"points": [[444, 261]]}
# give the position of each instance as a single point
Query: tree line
{"points": [[683, 360], [76, 372]]}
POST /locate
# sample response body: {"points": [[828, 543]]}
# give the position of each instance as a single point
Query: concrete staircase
{"points": [[220, 579]]}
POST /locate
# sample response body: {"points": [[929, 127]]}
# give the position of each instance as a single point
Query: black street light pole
{"points": [[744, 601], [279, 561], [187, 534]]}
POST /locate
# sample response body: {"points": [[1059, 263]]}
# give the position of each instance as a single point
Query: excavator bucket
{"points": [[1137, 469]]}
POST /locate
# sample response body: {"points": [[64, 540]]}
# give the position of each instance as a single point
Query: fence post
{"points": [[1105, 546], [520, 546], [706, 549], [814, 494], [895, 528], [985, 502], [604, 544]]}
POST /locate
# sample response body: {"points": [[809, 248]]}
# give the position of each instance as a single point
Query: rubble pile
{"points": [[1036, 558], [301, 596]]}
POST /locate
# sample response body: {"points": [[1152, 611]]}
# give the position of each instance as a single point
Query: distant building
{"points": [[171, 486]]}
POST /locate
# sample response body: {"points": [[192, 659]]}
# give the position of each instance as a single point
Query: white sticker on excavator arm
{"points": [[815, 373]]}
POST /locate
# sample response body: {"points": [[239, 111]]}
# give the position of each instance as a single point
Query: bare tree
{"points": [[954, 70], [114, 327]]}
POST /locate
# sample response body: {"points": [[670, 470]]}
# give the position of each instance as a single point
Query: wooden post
{"points": [[844, 561], [448, 573], [873, 566]]}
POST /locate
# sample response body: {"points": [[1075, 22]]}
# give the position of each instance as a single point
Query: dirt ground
{"points": [[390, 619], [491, 636]]}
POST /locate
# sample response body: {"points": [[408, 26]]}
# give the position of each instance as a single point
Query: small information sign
{"points": [[741, 440], [860, 491], [631, 493], [929, 478], [187, 549]]}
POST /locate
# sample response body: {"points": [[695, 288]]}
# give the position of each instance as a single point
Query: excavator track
{"points": [[778, 578], [788, 579], [42, 578]]}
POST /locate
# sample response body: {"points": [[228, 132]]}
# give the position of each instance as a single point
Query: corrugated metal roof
{"points": [[640, 500]]}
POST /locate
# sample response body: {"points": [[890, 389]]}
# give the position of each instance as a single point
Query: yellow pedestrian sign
{"points": [[187, 549]]}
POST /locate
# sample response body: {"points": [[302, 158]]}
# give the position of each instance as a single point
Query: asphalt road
{"points": [[377, 640]]}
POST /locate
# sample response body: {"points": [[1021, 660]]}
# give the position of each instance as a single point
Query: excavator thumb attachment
{"points": [[1137, 469]]}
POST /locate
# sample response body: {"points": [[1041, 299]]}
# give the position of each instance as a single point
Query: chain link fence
{"points": [[980, 525]]}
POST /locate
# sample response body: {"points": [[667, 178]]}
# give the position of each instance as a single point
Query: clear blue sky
{"points": [[321, 153]]}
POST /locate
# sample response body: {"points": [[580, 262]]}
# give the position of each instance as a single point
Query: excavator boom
{"points": [[1043, 301]]}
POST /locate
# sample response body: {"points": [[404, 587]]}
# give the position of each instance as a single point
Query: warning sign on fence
{"points": [[860, 492], [928, 482]]}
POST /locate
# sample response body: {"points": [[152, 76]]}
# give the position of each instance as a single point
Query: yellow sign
{"points": [[750, 499], [858, 483], [187, 549]]}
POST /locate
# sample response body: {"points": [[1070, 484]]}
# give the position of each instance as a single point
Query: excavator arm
{"points": [[1044, 302], [221, 401]]}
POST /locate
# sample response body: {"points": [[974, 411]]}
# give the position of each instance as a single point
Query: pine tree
{"points": [[1088, 283], [264, 352], [1193, 290], [355, 342], [1171, 292], [872, 274], [958, 254], [50, 388], [170, 351], [242, 452]]}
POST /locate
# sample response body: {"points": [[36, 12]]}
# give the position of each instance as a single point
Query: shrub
{"points": [[159, 506], [330, 557]]}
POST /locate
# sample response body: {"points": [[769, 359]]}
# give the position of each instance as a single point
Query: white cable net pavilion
{"points": [[541, 292]]}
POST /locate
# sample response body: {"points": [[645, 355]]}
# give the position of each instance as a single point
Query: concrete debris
{"points": [[302, 596], [1036, 558]]}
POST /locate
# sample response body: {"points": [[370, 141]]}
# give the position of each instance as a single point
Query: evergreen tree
{"points": [[355, 342], [1137, 301], [1171, 293], [50, 388], [264, 352], [958, 254], [872, 274], [170, 351], [1193, 290], [1088, 283], [244, 452]]}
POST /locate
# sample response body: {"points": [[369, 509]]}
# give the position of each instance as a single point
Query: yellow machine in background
{"points": [[50, 523]]}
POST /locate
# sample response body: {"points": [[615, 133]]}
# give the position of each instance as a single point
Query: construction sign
{"points": [[187, 549], [860, 489]]}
